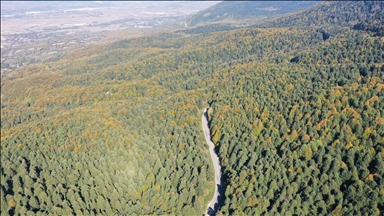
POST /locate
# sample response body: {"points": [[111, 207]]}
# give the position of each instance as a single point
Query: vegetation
{"points": [[251, 10], [306, 137], [296, 115], [330, 14]]}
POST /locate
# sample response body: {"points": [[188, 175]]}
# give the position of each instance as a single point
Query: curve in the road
{"points": [[214, 204]]}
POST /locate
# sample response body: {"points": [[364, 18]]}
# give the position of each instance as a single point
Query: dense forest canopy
{"points": [[296, 114]]}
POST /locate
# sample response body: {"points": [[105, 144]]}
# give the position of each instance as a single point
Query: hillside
{"points": [[329, 14], [295, 114], [238, 11]]}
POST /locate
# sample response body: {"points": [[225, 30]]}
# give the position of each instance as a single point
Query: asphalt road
{"points": [[214, 204]]}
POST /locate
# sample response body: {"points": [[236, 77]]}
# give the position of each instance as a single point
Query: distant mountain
{"points": [[235, 11], [337, 14]]}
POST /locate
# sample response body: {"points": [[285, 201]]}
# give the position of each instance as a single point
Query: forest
{"points": [[296, 114]]}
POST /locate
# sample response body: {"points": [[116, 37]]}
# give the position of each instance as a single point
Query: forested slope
{"points": [[76, 138], [296, 114], [329, 14], [124, 118], [306, 137]]}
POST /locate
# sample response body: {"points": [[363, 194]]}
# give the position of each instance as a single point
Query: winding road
{"points": [[214, 204]]}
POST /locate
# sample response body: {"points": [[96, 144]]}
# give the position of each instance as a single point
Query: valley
{"points": [[41, 32]]}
